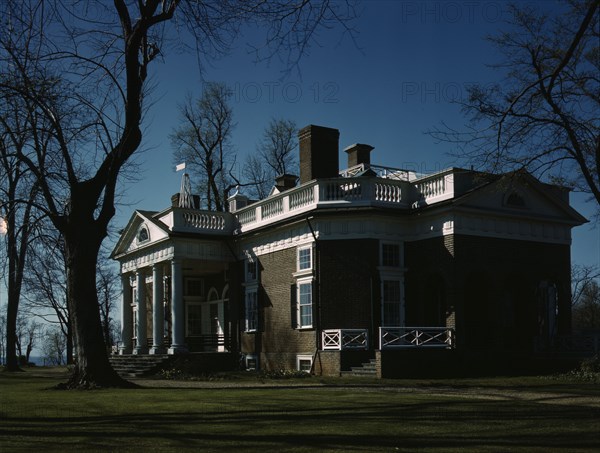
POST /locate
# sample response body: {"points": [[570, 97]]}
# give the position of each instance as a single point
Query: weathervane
{"points": [[185, 192]]}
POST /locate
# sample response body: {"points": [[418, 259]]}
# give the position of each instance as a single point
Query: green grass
{"points": [[301, 415]]}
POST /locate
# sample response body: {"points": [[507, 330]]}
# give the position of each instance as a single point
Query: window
{"points": [[251, 311], [194, 319], [305, 258], [515, 200], [194, 287], [390, 255], [251, 271], [143, 235], [304, 363], [251, 362], [391, 306], [305, 304]]}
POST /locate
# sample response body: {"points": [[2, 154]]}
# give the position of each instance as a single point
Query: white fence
{"points": [[416, 337], [338, 339]]}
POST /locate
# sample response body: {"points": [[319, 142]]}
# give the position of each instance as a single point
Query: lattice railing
{"points": [[416, 337], [570, 344], [338, 339]]}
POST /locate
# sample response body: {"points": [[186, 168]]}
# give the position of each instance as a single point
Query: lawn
{"points": [[528, 414]]}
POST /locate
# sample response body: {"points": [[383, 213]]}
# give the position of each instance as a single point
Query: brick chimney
{"points": [[359, 153], [285, 182], [318, 153]]}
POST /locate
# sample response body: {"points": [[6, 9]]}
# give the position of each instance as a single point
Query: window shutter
{"points": [[293, 307]]}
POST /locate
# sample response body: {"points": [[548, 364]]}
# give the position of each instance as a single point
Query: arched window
{"points": [[515, 200], [143, 235]]}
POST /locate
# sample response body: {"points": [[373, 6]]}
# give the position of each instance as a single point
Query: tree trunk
{"points": [[69, 345], [92, 367], [12, 306]]}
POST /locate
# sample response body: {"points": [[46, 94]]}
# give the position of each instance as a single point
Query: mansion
{"points": [[342, 267]]}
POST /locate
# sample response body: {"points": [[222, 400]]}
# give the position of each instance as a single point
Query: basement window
{"points": [[304, 363]]}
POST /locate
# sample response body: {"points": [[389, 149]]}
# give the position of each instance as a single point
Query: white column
{"points": [[141, 346], [177, 313], [126, 316], [157, 310]]}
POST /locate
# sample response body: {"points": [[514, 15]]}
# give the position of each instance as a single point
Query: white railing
{"points": [[211, 222], [347, 192], [272, 208], [338, 339], [569, 344], [434, 188], [302, 197], [416, 337]]}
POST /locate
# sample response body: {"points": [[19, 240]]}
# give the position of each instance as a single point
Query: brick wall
{"points": [[277, 341], [491, 287], [349, 284], [343, 298]]}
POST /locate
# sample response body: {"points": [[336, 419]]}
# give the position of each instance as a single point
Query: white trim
{"points": [[251, 290], [398, 244], [299, 282], [251, 357], [301, 358], [189, 303], [301, 249]]}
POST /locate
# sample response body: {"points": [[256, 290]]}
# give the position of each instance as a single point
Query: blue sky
{"points": [[411, 59]]}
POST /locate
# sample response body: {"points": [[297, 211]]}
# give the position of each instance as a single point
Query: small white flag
{"points": [[180, 167]]}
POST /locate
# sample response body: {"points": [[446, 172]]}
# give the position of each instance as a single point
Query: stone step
{"points": [[132, 366], [367, 369]]}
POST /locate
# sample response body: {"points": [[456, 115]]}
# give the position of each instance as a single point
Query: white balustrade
{"points": [[246, 216], [272, 208], [416, 337], [436, 187], [302, 197], [191, 220], [346, 192]]}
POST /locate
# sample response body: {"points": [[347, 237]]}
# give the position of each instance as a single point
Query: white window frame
{"points": [[145, 228], [299, 284], [400, 301], [248, 277], [249, 291], [301, 358], [310, 258], [187, 313], [186, 291], [400, 253], [249, 358]]}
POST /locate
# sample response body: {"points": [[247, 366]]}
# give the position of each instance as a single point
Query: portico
{"points": [[175, 291]]}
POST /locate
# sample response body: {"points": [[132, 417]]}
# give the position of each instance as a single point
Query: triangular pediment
{"points": [[142, 230], [521, 195]]}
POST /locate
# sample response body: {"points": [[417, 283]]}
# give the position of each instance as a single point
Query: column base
{"points": [[140, 351], [157, 350], [124, 350], [178, 349]]}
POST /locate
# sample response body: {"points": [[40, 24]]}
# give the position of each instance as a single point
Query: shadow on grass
{"points": [[288, 423]]}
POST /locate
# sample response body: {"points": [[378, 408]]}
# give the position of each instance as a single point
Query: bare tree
{"points": [[276, 149], [54, 346], [83, 83], [278, 144], [28, 332], [109, 287], [586, 313], [18, 194], [582, 276], [2, 336], [543, 116], [258, 176], [203, 142], [45, 292]]}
